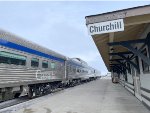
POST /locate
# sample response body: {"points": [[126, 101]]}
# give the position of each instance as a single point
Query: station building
{"points": [[123, 40]]}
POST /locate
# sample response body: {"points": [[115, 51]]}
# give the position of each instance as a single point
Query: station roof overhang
{"points": [[135, 21]]}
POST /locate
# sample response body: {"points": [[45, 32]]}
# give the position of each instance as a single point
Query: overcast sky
{"points": [[59, 26]]}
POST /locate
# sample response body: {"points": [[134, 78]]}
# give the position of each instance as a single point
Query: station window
{"points": [[34, 62], [45, 64], [11, 58], [53, 65], [145, 65]]}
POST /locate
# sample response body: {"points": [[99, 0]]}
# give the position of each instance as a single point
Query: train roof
{"points": [[78, 61], [23, 42]]}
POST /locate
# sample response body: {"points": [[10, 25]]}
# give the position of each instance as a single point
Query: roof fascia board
{"points": [[118, 14]]}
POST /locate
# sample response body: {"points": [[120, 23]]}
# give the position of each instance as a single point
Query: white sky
{"points": [[59, 26]]}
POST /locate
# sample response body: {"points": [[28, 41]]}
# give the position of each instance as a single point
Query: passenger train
{"points": [[29, 69]]}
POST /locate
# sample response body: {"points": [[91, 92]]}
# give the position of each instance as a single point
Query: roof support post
{"points": [[148, 43], [127, 60], [132, 63], [119, 68], [116, 69], [122, 64], [127, 44], [137, 53]]}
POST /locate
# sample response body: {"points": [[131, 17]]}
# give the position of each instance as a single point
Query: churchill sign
{"points": [[106, 27]]}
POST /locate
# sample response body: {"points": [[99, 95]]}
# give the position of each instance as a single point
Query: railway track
{"points": [[15, 104], [23, 102]]}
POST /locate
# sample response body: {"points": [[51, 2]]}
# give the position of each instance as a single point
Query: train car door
{"points": [[66, 72]]}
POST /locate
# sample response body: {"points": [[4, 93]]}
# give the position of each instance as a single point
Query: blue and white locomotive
{"points": [[27, 68]]}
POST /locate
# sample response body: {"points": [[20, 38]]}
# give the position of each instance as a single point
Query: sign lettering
{"points": [[106, 27]]}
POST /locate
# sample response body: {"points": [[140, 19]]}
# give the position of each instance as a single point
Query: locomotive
{"points": [[27, 68]]}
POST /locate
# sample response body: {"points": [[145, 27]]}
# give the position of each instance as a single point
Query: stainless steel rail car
{"points": [[27, 68], [25, 65], [79, 71]]}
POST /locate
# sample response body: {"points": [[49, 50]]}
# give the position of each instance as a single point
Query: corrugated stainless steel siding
{"points": [[19, 75]]}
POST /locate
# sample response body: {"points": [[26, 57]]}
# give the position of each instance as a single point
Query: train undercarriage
{"points": [[36, 90]]}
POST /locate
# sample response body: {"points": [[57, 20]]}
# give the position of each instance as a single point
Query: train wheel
{"points": [[41, 91], [17, 95], [30, 94]]}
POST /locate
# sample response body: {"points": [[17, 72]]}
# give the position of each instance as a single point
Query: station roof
{"points": [[135, 21]]}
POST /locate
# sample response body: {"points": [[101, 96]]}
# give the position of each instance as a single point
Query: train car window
{"points": [[34, 62], [11, 58], [86, 71], [52, 65], [78, 70], [74, 69], [70, 68], [45, 64], [58, 66], [145, 65]]}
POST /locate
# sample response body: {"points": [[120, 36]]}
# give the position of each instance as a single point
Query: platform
{"points": [[100, 96]]}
